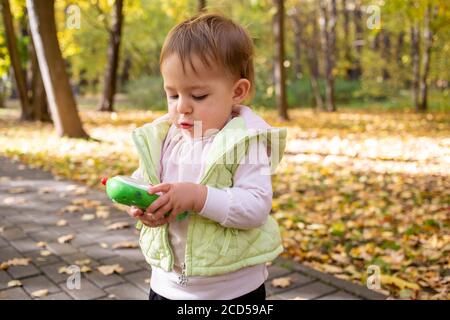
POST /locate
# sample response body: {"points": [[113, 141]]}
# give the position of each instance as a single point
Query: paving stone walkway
{"points": [[31, 205]]}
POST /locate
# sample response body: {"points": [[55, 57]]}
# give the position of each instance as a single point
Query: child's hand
{"points": [[176, 198], [134, 212]]}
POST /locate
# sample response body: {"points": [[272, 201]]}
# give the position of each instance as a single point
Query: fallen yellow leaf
{"points": [[61, 223], [45, 253], [17, 190], [66, 238], [14, 283], [41, 244], [82, 262], [400, 283], [118, 225], [40, 293], [71, 209], [125, 245], [110, 269], [281, 282], [88, 217]]}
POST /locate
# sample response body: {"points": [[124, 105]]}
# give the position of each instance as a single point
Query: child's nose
{"points": [[183, 106]]}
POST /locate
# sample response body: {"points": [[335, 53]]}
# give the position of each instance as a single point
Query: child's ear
{"points": [[240, 90]]}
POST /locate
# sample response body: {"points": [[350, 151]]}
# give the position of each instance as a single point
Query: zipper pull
{"points": [[183, 279]]}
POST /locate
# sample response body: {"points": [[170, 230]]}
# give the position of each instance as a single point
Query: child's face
{"points": [[205, 97]]}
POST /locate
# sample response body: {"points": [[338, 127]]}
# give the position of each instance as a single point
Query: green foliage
{"points": [[146, 24], [147, 93]]}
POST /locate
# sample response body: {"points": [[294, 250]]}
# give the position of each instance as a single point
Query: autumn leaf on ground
{"points": [[45, 253], [399, 283], [331, 269], [71, 269], [281, 282], [80, 191], [5, 179], [87, 203], [45, 190], [118, 225], [17, 190], [40, 293], [66, 238], [83, 262], [79, 201], [71, 209], [14, 200], [41, 244], [85, 269], [14, 283], [15, 262], [102, 212], [19, 261], [88, 217], [61, 223], [125, 245], [110, 269]]}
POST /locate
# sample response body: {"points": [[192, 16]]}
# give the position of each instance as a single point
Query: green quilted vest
{"points": [[211, 249]]}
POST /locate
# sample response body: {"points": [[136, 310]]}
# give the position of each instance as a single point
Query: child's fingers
{"points": [[135, 212], [162, 187], [160, 213], [173, 214], [162, 200], [149, 222]]}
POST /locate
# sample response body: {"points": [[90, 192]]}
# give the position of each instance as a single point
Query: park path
{"points": [[32, 202]]}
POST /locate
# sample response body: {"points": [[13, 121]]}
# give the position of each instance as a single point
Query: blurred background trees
{"points": [[324, 54]]}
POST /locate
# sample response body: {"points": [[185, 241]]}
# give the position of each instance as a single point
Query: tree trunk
{"points": [[375, 45], [201, 5], [428, 42], [279, 74], [125, 75], [2, 94], [38, 97], [328, 28], [56, 82], [109, 85], [38, 108], [19, 75], [386, 53], [399, 49], [358, 44], [347, 49], [415, 47], [298, 42], [313, 64]]}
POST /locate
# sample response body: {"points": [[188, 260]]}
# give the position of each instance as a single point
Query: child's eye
{"points": [[174, 97], [200, 97]]}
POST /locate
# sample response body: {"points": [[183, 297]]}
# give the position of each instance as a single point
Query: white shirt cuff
{"points": [[217, 205]]}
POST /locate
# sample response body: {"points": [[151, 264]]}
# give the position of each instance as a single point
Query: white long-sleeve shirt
{"points": [[245, 205]]}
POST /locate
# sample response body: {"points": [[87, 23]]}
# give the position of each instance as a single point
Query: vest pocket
{"points": [[229, 233], [145, 242]]}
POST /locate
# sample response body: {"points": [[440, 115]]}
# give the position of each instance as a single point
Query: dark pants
{"points": [[258, 294]]}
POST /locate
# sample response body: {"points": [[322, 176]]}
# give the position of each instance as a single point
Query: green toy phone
{"points": [[132, 192]]}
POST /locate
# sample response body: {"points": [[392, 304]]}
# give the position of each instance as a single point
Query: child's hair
{"points": [[214, 39]]}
